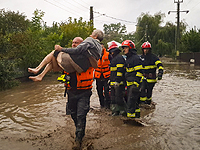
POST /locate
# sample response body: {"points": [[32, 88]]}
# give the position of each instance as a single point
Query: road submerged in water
{"points": [[32, 116]]}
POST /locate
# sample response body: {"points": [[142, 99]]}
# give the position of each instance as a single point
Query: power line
{"points": [[85, 3], [188, 2], [114, 17], [73, 5], [60, 7], [195, 5], [81, 5]]}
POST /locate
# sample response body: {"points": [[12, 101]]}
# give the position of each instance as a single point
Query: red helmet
{"points": [[128, 43], [112, 45], [146, 45]]}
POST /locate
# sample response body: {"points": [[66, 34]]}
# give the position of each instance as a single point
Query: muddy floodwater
{"points": [[32, 117]]}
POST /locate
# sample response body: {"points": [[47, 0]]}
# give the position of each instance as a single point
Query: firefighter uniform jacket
{"points": [[117, 68], [103, 66], [150, 64], [80, 81], [134, 69]]}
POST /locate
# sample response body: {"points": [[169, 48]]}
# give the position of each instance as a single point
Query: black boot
{"points": [[78, 141], [77, 145]]}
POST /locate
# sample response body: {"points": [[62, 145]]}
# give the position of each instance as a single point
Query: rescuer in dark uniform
{"points": [[117, 80], [150, 64], [133, 78]]}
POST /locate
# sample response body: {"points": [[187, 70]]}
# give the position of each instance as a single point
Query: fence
{"points": [[190, 57]]}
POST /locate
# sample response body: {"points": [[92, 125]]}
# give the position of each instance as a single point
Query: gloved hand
{"points": [[159, 76]]}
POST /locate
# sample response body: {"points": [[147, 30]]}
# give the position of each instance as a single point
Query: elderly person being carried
{"points": [[77, 59]]}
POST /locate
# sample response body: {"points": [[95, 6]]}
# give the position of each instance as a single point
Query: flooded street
{"points": [[32, 116]]}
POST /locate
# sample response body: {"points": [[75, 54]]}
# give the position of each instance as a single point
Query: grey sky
{"points": [[114, 10]]}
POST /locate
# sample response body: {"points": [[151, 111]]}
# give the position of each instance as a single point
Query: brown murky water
{"points": [[35, 108]]}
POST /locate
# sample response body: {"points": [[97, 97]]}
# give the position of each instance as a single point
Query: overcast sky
{"points": [[124, 11]]}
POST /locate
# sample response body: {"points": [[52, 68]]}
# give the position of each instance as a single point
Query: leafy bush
{"points": [[7, 75]]}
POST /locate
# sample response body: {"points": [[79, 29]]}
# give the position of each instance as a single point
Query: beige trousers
{"points": [[66, 63]]}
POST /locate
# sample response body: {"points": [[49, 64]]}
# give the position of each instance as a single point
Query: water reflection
{"points": [[189, 71], [31, 106], [175, 124]]}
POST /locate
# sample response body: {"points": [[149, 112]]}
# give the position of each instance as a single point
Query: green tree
{"points": [[37, 20], [162, 38], [7, 75], [115, 32], [148, 26], [191, 41], [73, 28], [11, 21]]}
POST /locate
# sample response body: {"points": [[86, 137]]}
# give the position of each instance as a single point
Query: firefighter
{"points": [[117, 80], [102, 74], [150, 63], [79, 87], [133, 78], [76, 41]]}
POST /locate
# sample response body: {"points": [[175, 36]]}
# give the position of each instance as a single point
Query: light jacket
{"points": [[103, 66]]}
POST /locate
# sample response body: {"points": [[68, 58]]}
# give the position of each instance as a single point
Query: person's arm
{"points": [[120, 70], [78, 50], [159, 65]]}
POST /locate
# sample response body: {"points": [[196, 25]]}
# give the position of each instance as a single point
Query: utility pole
{"points": [[178, 28], [91, 16]]}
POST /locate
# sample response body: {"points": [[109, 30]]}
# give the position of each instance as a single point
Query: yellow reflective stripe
{"points": [[130, 69], [119, 74], [120, 65], [139, 74], [137, 110], [131, 83], [158, 62], [138, 67], [149, 99], [143, 98], [150, 67], [160, 68], [113, 68], [130, 114], [151, 80], [61, 78], [113, 83]]}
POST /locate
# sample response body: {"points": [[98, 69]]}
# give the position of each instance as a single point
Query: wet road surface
{"points": [[38, 108]]}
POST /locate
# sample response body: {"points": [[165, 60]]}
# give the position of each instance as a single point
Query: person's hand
{"points": [[58, 48], [116, 84], [159, 76]]}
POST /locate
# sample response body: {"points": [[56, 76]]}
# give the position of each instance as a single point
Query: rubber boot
{"points": [[115, 110], [78, 141], [148, 102], [77, 145]]}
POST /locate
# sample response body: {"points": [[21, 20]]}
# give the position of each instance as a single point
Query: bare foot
{"points": [[33, 70], [35, 78]]}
